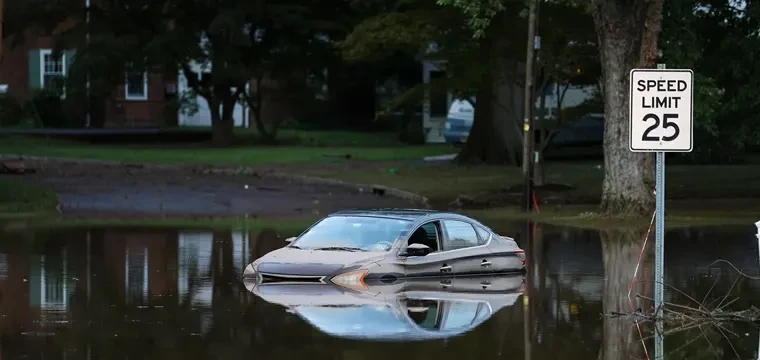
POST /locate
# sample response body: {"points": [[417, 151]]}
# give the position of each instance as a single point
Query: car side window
{"points": [[426, 234], [425, 313], [483, 234], [460, 235], [460, 314]]}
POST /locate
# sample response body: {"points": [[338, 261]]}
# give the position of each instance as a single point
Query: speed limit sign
{"points": [[661, 118]]}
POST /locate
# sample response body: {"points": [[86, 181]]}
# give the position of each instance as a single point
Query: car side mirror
{"points": [[417, 250], [290, 239]]}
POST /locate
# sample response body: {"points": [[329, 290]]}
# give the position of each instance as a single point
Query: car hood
{"points": [[290, 261], [293, 295]]}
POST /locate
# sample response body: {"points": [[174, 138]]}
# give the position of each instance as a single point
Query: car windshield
{"points": [[364, 233]]}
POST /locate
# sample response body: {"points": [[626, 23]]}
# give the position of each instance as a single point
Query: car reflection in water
{"points": [[410, 310]]}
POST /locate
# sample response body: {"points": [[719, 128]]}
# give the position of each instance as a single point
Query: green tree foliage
{"points": [[243, 44], [718, 40], [30, 17], [473, 66], [412, 28]]}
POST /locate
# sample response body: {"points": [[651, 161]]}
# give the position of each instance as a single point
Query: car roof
{"points": [[402, 214]]}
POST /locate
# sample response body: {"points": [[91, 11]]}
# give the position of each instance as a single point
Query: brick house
{"points": [[139, 102], [143, 100]]}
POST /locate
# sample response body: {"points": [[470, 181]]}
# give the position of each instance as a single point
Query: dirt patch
{"points": [[129, 191]]}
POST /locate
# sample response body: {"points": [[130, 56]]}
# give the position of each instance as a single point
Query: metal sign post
{"points": [[661, 120], [757, 224]]}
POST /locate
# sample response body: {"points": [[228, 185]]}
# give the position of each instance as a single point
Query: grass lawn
{"points": [[314, 137], [17, 197], [240, 155], [679, 214], [288, 227], [446, 182], [697, 194]]}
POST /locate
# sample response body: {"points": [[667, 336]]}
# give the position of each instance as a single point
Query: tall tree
{"points": [[486, 67], [628, 32], [237, 41], [628, 35]]}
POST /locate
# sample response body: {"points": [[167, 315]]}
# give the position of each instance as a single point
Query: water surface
{"points": [[103, 293]]}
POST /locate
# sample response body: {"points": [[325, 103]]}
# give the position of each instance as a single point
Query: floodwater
{"points": [[132, 293]]}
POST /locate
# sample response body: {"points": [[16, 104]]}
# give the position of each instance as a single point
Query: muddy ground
{"points": [[97, 190]]}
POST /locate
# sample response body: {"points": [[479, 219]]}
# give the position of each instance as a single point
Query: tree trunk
{"points": [[493, 138], [620, 26], [255, 103], [222, 123], [224, 280], [649, 57], [482, 146], [620, 253]]}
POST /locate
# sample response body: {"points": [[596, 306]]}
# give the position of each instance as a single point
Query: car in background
{"points": [[459, 121], [586, 130], [354, 248]]}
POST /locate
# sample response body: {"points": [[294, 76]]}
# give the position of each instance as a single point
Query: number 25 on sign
{"points": [[662, 118]]}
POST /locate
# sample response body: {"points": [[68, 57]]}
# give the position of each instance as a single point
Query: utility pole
{"points": [[2, 7], [529, 105], [2, 44], [88, 104]]}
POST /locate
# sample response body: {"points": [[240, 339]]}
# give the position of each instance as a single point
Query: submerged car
{"points": [[410, 310], [356, 248]]}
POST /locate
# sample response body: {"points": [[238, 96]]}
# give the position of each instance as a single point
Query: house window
{"points": [[136, 86], [53, 70]]}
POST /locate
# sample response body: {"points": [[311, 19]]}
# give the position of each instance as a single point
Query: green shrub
{"points": [[12, 112], [49, 108], [53, 111]]}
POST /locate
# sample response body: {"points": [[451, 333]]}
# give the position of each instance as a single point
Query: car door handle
{"points": [[445, 283], [485, 263], [485, 284], [445, 268]]}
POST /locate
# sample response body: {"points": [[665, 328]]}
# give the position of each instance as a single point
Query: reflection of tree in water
{"points": [[711, 340], [621, 249], [555, 326]]}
